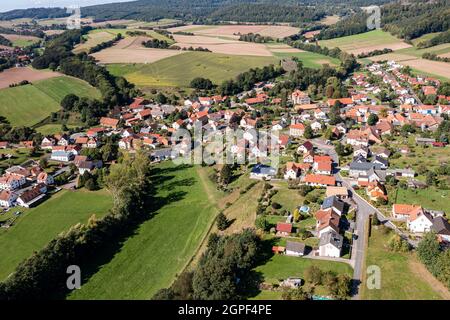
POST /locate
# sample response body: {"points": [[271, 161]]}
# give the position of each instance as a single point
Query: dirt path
{"points": [[421, 271]]}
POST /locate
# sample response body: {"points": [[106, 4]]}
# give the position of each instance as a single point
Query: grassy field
{"points": [[159, 249], [50, 129], [37, 226], [178, 71], [373, 39], [400, 277], [280, 267], [27, 105], [311, 59]]}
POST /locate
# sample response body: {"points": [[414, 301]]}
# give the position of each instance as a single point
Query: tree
{"points": [[161, 98], [428, 249], [43, 162], [69, 101], [201, 83], [296, 215], [375, 221], [313, 275], [341, 288], [372, 120], [309, 133], [262, 223], [226, 173], [222, 222], [91, 184]]}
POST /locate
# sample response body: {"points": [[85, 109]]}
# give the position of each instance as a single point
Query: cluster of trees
{"points": [[201, 83], [222, 272], [16, 134], [441, 38], [105, 44], [245, 81], [254, 37], [43, 275], [348, 26], [184, 33], [434, 57], [339, 286], [374, 53], [6, 63], [156, 43], [434, 258]]}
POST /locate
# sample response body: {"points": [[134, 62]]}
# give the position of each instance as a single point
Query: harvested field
{"points": [[329, 20], [16, 75], [94, 39], [53, 32], [434, 67], [392, 56], [130, 50], [445, 55], [286, 50], [224, 46]]}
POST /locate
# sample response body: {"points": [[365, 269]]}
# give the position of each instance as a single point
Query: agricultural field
{"points": [[366, 42], [16, 75], [310, 59], [233, 31], [281, 267], [93, 39], [37, 226], [403, 277], [29, 104], [222, 45], [161, 247], [51, 129], [179, 70], [20, 40], [130, 50]]}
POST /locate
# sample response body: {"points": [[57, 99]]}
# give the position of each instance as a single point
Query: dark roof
{"points": [[263, 169], [31, 194], [295, 246], [363, 166], [331, 237], [308, 145], [333, 201], [381, 160], [441, 226]]}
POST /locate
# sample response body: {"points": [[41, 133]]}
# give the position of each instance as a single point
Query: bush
{"points": [[222, 222]]}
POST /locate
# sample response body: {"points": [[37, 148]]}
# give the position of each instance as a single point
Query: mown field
{"points": [[366, 42], [402, 276], [178, 71], [27, 105], [37, 226], [50, 129], [161, 246], [430, 198]]}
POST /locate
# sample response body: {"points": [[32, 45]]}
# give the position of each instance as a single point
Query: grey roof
{"points": [[295, 246], [381, 160], [363, 166], [441, 226], [333, 202], [333, 238]]}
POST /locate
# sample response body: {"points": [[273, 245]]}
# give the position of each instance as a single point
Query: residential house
{"points": [[330, 244], [419, 221], [376, 191], [284, 229], [261, 171], [7, 198], [300, 97], [109, 122], [297, 130], [327, 220], [293, 170], [45, 178], [4, 144], [61, 155], [305, 147], [334, 203], [318, 180], [404, 211], [339, 192], [442, 228]]}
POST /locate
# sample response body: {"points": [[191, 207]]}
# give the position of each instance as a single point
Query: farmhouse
{"points": [[30, 197]]}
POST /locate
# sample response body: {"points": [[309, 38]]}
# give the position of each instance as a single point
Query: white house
{"points": [[316, 126], [7, 198], [62, 156], [330, 244], [11, 182], [30, 197], [420, 222], [45, 178]]}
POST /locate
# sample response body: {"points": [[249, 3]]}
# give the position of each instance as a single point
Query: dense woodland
{"points": [[5, 42]]}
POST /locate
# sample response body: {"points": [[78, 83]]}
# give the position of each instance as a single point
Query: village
{"points": [[340, 146]]}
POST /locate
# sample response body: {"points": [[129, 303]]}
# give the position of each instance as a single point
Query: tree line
{"points": [[254, 37], [105, 44], [434, 57], [43, 275], [222, 272]]}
